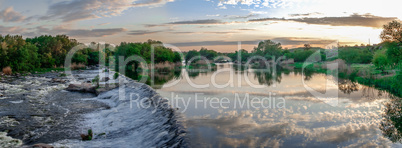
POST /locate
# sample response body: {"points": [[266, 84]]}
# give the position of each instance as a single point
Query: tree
{"points": [[268, 49], [392, 32], [190, 54], [307, 46], [394, 53], [380, 60]]}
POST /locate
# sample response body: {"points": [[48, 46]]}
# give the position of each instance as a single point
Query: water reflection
{"points": [[267, 77], [362, 115], [159, 77]]}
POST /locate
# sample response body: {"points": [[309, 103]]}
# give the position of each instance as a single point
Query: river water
{"points": [[232, 107]]}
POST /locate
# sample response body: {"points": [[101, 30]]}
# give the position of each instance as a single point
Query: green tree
{"points": [[191, 54], [394, 53], [392, 32], [268, 49], [380, 60]]}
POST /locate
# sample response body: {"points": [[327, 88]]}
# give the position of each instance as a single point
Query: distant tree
{"points": [[244, 55], [191, 54], [209, 54], [307, 46], [392, 32], [268, 49]]}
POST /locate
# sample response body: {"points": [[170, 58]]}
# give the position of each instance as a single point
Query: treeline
{"points": [[195, 55], [145, 51], [30, 54]]}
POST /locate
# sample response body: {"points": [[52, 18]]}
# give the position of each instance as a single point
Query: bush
{"points": [[116, 75], [7, 70], [356, 55], [96, 81]]}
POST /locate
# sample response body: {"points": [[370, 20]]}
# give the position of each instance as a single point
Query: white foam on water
{"points": [[126, 124], [6, 141], [17, 102]]}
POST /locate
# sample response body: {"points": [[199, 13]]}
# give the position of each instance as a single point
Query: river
{"points": [[231, 107]]}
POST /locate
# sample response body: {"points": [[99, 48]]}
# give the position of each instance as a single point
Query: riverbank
{"points": [[365, 74], [38, 109]]}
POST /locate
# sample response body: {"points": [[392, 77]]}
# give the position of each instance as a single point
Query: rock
{"points": [[42, 145], [106, 88], [28, 73], [1, 95], [105, 79], [83, 87], [52, 71], [54, 80]]}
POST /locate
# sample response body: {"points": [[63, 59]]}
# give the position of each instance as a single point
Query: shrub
{"points": [[96, 81], [7, 70], [116, 75]]}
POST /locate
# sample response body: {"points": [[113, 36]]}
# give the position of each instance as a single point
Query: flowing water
{"points": [[233, 107]]}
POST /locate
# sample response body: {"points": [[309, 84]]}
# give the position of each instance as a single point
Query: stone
{"points": [[105, 79], [106, 88], [83, 87], [42, 145], [54, 80]]}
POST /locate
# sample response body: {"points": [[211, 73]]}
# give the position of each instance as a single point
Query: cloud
{"points": [[94, 32], [70, 11], [197, 22], [212, 43], [76, 32], [142, 32], [152, 3], [366, 20], [241, 17], [294, 41], [246, 29], [104, 24], [11, 30], [215, 15], [192, 22], [305, 14], [302, 40], [259, 3], [9, 15]]}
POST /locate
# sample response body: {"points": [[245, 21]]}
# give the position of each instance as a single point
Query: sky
{"points": [[221, 25]]}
